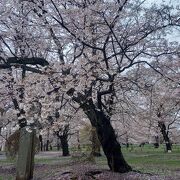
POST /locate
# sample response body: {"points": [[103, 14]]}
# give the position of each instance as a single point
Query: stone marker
{"points": [[25, 162]]}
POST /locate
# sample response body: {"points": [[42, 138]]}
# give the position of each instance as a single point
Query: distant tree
{"points": [[158, 110]]}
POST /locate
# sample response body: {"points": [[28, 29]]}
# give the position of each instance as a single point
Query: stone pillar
{"points": [[25, 162]]}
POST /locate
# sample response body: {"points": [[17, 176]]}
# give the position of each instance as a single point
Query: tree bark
{"points": [[65, 146], [165, 136], [78, 141], [107, 138], [31, 61], [41, 142], [47, 145], [58, 144], [156, 144]]}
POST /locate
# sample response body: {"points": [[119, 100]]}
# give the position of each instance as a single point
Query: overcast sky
{"points": [[176, 35], [173, 2]]}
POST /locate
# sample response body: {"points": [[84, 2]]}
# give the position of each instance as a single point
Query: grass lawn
{"points": [[151, 160], [146, 159]]}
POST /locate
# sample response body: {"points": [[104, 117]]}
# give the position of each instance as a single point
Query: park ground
{"points": [[147, 162]]}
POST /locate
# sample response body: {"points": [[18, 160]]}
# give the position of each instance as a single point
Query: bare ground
{"points": [[84, 171]]}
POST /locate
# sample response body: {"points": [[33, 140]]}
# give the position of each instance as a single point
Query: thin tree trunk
{"points": [[58, 147], [107, 138], [165, 136], [156, 144], [127, 141], [58, 144], [41, 145], [41, 142], [47, 145], [65, 146], [78, 141]]}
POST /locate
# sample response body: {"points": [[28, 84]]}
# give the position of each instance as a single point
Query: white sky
{"points": [[176, 35], [173, 2]]}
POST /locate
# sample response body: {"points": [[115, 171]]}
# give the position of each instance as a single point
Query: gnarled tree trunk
{"points": [[107, 138], [165, 136]]}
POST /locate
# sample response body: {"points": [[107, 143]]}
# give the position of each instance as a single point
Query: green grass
{"points": [[54, 160], [7, 162], [6, 178], [151, 160]]}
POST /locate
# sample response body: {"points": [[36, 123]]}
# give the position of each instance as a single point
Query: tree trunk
{"points": [[65, 146], [107, 138], [58, 146], [47, 145], [156, 144], [165, 136], [41, 142], [78, 141]]}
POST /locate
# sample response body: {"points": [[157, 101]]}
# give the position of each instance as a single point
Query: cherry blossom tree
{"points": [[100, 41], [17, 57], [95, 43], [121, 35], [167, 109], [158, 105]]}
